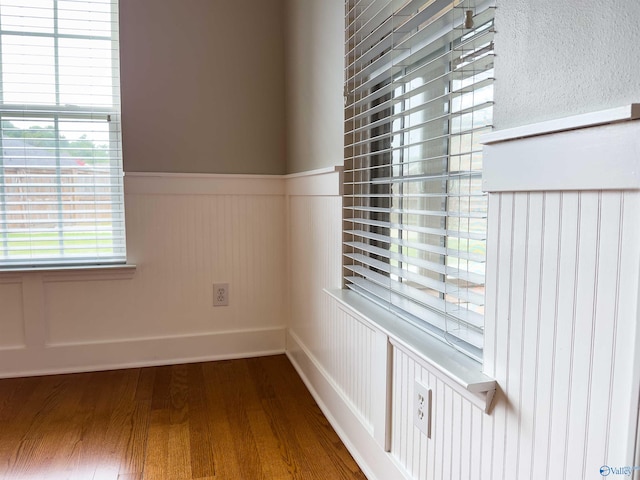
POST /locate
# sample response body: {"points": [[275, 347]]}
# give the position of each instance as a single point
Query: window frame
{"points": [[363, 268], [57, 113]]}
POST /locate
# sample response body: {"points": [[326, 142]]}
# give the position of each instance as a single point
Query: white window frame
{"points": [[386, 43], [56, 114]]}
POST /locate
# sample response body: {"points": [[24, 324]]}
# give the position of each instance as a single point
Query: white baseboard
{"points": [[145, 352], [372, 459]]}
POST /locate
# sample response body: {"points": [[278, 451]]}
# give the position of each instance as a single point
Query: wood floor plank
{"points": [[53, 423], [178, 395], [202, 458], [156, 463], [161, 399], [179, 461], [328, 456], [134, 457], [279, 424], [130, 476], [239, 419], [97, 401], [119, 428], [11, 388], [226, 461], [276, 458], [238, 397], [18, 416]]}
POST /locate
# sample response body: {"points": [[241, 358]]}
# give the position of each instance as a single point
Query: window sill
{"points": [[89, 269], [59, 268], [454, 365]]}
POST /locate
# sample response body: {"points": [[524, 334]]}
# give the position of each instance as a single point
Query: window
{"points": [[419, 86], [61, 194]]}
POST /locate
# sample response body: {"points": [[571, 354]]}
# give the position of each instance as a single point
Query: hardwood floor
{"points": [[239, 419]]}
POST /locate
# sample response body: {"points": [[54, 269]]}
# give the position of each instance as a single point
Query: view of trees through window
{"points": [[83, 149]]}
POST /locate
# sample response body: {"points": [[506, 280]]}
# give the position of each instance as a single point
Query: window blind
{"points": [[61, 185], [419, 93]]}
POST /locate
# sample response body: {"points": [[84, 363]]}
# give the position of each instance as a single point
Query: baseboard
{"points": [[145, 352], [372, 459]]}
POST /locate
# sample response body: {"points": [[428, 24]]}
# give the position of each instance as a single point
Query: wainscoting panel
{"points": [[562, 336], [11, 313], [181, 243], [455, 449], [316, 227], [333, 351], [347, 351], [561, 325], [190, 242], [341, 344]]}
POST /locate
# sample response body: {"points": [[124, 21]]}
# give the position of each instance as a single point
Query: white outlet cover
{"points": [[422, 408], [220, 294]]}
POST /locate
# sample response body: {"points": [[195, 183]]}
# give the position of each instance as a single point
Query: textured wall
{"points": [[203, 86], [558, 58], [314, 79]]}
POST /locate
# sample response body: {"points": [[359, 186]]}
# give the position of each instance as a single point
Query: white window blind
{"points": [[419, 89], [61, 193]]}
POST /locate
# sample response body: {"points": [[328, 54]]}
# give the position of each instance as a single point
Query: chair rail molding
{"points": [[596, 151]]}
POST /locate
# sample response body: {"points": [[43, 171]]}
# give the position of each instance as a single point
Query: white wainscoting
{"points": [[562, 336], [561, 339], [562, 331], [335, 353], [455, 449], [184, 232], [12, 324]]}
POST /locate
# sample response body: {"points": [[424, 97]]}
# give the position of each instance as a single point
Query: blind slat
{"points": [[406, 308], [465, 255], [419, 93]]}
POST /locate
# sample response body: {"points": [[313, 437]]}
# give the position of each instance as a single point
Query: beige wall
{"points": [[555, 59], [314, 79], [203, 86]]}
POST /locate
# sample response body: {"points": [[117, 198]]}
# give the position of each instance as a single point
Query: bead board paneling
{"points": [[347, 351], [314, 262], [455, 449], [11, 313], [561, 332], [334, 352], [190, 242], [327, 332], [162, 311], [561, 340]]}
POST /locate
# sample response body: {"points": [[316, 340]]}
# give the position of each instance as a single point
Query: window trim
{"points": [[57, 114], [462, 370]]}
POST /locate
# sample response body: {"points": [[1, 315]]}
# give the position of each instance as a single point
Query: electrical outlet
{"points": [[220, 294], [422, 408]]}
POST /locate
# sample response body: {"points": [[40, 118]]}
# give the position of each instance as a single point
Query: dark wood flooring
{"points": [[238, 419]]}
